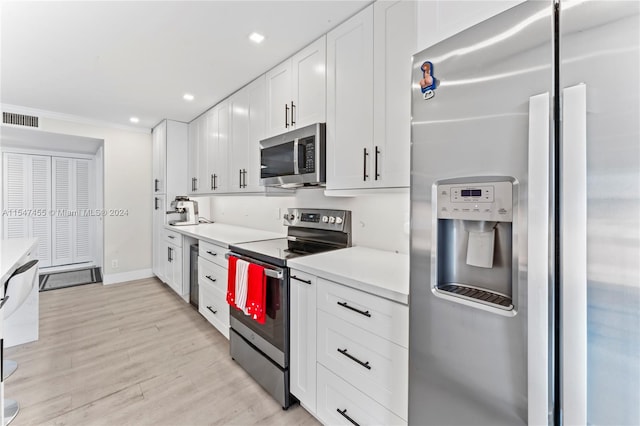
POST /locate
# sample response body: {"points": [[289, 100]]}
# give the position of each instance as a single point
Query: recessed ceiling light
{"points": [[134, 120], [256, 38], [188, 97]]}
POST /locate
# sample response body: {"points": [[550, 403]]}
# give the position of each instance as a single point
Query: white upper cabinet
{"points": [[394, 42], [159, 137], [368, 97], [296, 90], [350, 102], [308, 81], [200, 136], [257, 97], [218, 148], [247, 108], [192, 154]]}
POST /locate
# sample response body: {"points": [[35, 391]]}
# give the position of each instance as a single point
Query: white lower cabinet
{"points": [[367, 361], [171, 260], [212, 284], [302, 357], [348, 352], [340, 403]]}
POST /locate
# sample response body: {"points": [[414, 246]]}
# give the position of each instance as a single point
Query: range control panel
{"points": [[492, 201], [334, 220]]}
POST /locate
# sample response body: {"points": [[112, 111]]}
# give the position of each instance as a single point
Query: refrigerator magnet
{"points": [[428, 83]]}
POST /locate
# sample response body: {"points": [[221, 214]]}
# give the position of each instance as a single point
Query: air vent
{"points": [[19, 119]]}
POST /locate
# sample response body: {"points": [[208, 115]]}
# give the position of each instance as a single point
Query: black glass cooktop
{"points": [[279, 250]]}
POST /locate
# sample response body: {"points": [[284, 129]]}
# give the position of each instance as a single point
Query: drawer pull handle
{"points": [[214, 312], [301, 280], [212, 253], [343, 413], [211, 279], [365, 313], [172, 237], [353, 358]]}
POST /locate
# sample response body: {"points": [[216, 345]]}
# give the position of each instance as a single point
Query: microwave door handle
{"points": [[296, 169]]}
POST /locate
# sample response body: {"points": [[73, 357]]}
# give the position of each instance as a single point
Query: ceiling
{"points": [[111, 60]]}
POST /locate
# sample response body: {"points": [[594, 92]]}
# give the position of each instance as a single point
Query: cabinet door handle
{"points": [[343, 413], [212, 253], [196, 184], [211, 278], [293, 121], [155, 203], [354, 359], [212, 183], [244, 178], [212, 311], [240, 177], [193, 185], [301, 280], [155, 184], [364, 166], [377, 175], [345, 305], [215, 182], [169, 254], [286, 116]]}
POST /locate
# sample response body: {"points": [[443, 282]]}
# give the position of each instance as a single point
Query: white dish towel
{"points": [[242, 284]]}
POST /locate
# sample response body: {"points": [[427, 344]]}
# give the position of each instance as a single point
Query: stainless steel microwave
{"points": [[295, 158]]}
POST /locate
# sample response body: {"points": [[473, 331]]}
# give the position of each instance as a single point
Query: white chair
{"points": [[16, 290]]}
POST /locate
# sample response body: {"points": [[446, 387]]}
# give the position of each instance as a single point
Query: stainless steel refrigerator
{"points": [[525, 220]]}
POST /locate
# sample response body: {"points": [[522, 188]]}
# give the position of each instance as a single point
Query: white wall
{"points": [[380, 220], [127, 185]]}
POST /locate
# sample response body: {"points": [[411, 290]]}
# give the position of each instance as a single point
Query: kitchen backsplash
{"points": [[380, 220]]}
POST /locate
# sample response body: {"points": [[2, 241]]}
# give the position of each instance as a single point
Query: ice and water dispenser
{"points": [[474, 242]]}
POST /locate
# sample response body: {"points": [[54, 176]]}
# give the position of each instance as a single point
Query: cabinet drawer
{"points": [[213, 306], [383, 317], [335, 394], [212, 274], [173, 237], [303, 278], [213, 253], [370, 363]]}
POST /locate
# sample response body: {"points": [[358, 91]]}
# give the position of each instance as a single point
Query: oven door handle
{"points": [[272, 273]]}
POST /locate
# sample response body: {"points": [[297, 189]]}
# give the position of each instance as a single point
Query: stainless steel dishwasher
{"points": [[193, 276]]}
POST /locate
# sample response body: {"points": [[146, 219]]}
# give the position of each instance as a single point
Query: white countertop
{"points": [[12, 253], [379, 272], [223, 235]]}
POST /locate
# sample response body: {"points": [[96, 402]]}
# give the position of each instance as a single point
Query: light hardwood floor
{"points": [[133, 354]]}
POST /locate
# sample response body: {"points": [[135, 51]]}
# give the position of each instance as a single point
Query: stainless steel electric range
{"points": [[263, 349]]}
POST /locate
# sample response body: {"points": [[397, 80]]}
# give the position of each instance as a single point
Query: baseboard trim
{"points": [[127, 276]]}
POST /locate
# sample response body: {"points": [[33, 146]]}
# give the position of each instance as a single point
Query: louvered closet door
{"points": [[82, 250], [15, 197], [40, 198], [62, 203]]}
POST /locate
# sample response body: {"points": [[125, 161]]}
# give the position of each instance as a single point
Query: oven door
{"points": [[272, 337]]}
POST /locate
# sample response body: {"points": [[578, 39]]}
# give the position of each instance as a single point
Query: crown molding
{"points": [[70, 117]]}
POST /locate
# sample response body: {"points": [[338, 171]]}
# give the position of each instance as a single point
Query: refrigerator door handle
{"points": [[573, 255], [538, 214]]}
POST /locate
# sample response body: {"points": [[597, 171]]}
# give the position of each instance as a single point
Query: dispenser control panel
{"points": [[491, 201]]}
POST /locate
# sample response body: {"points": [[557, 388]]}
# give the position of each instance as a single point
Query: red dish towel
{"points": [[231, 281], [257, 293]]}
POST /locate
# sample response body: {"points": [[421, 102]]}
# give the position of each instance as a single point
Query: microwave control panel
{"points": [[307, 154]]}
